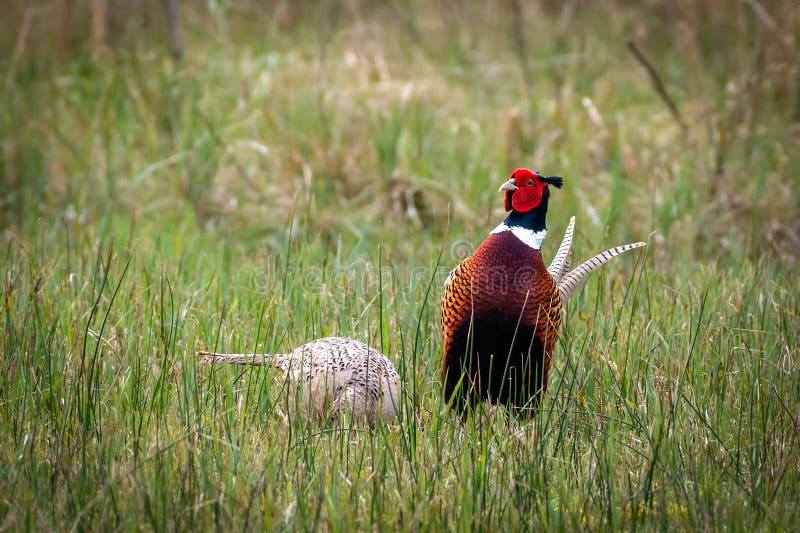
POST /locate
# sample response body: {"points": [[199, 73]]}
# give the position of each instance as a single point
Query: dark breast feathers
{"points": [[501, 313]]}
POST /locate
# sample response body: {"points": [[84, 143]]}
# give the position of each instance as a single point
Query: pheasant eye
{"points": [[530, 182]]}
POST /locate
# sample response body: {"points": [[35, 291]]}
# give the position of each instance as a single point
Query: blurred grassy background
{"points": [[378, 108], [278, 171]]}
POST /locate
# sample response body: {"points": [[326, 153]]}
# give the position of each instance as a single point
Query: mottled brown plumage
{"points": [[331, 376]]}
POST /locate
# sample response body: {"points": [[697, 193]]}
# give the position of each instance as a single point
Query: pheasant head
{"points": [[526, 196], [526, 190]]}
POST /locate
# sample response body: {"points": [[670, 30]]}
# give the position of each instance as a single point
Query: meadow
{"points": [[306, 169]]}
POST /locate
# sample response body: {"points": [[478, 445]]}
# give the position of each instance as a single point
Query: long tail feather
{"points": [[567, 263], [574, 279], [235, 358], [557, 267]]}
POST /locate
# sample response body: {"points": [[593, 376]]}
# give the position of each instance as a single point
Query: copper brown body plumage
{"points": [[501, 308]]}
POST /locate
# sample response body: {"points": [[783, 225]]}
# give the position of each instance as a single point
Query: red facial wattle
{"points": [[526, 198], [523, 192]]}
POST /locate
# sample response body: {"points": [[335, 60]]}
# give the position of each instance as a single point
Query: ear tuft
{"points": [[555, 181]]}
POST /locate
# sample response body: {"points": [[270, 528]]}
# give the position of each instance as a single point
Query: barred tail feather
{"points": [[558, 266], [235, 358], [574, 279]]}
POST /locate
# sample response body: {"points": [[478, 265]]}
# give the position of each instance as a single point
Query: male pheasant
{"points": [[501, 309], [332, 376]]}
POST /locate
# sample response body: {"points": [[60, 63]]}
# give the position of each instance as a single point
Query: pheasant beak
{"points": [[508, 186]]}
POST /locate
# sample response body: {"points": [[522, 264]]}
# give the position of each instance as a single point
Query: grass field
{"points": [[314, 169]]}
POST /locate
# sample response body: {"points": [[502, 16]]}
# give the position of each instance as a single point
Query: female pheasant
{"points": [[332, 376], [501, 309]]}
